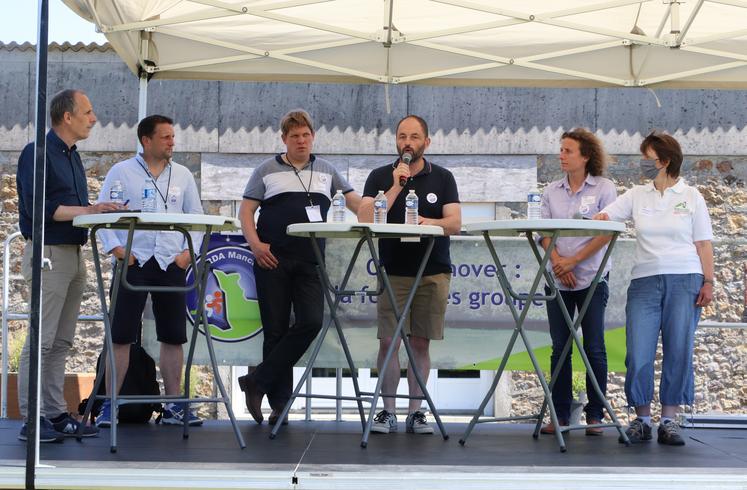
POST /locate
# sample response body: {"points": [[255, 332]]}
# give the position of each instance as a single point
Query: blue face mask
{"points": [[648, 168]]}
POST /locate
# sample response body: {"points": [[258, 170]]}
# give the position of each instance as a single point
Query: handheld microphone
{"points": [[406, 158]]}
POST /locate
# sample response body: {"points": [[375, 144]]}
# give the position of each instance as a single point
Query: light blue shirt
{"points": [[559, 202], [178, 194]]}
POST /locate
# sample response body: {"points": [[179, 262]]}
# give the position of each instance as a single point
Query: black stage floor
{"points": [[330, 449]]}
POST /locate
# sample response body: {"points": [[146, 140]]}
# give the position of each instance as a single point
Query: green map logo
{"points": [[230, 300]]}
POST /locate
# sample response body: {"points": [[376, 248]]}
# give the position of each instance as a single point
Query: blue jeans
{"points": [[592, 326], [663, 303]]}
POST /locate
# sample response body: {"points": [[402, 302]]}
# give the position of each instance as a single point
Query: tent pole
{"points": [[142, 100], [40, 153]]}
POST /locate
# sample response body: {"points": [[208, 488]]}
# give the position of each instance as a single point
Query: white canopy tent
{"points": [[574, 43]]}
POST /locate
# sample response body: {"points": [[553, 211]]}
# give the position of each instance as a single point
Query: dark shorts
{"points": [[169, 309]]}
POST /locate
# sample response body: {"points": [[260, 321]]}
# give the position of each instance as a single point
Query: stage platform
{"points": [[318, 455]]}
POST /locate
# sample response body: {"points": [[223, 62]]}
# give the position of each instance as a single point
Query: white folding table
{"points": [[180, 223], [553, 229], [364, 233]]}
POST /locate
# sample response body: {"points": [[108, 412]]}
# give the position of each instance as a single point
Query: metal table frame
{"points": [[182, 223], [365, 234], [554, 229]]}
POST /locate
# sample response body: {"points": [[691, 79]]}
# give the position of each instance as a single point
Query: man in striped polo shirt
{"points": [[291, 187]]}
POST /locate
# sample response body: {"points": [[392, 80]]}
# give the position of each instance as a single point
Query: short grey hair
{"points": [[62, 102]]}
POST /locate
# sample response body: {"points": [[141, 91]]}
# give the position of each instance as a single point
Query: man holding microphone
{"points": [[438, 205]]}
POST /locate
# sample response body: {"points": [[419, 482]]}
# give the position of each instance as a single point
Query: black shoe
{"points": [[68, 426], [253, 395], [669, 433], [47, 432], [637, 431]]}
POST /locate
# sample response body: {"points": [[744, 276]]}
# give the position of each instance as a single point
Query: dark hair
{"points": [[147, 126], [61, 103], [591, 148], [296, 118], [419, 119], [667, 149]]}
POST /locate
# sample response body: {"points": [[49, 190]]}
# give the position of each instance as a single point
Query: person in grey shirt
{"points": [[157, 258], [581, 193]]}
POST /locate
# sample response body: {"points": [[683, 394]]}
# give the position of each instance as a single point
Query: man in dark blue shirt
{"points": [[64, 277], [438, 206]]}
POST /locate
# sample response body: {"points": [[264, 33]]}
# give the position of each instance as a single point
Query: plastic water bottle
{"points": [[338, 207], [149, 204], [116, 192], [411, 208], [534, 204], [380, 208]]}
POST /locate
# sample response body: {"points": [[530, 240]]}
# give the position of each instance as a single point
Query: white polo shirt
{"points": [[667, 227]]}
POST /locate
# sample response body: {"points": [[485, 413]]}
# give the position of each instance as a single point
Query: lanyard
{"points": [[168, 184], [311, 178]]}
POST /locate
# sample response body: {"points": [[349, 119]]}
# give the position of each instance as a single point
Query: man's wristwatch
{"points": [[711, 281]]}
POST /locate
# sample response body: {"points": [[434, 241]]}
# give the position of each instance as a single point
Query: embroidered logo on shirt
{"points": [[431, 197], [681, 209]]}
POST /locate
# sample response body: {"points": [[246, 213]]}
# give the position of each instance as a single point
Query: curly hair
{"points": [[591, 148]]}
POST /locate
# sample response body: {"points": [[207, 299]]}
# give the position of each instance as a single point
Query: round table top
{"points": [[546, 227], [191, 222], [356, 230]]}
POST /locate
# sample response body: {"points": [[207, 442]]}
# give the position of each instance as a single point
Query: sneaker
{"points": [[637, 431], [104, 420], [670, 433], [47, 432], [173, 414], [68, 426], [416, 424], [384, 422]]}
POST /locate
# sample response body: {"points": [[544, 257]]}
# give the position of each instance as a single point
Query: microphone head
{"points": [[407, 157]]}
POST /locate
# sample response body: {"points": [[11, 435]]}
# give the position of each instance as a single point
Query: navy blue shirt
{"points": [[65, 186], [435, 186]]}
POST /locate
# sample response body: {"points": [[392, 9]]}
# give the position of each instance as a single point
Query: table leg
{"points": [[333, 304], [519, 319]]}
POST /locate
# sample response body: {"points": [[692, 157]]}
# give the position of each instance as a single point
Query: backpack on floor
{"points": [[139, 380]]}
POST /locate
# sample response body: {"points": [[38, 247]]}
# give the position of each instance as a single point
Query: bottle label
{"points": [[380, 205], [411, 205], [534, 197]]}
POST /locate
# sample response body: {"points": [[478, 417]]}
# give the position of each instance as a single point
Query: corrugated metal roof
{"points": [[54, 46]]}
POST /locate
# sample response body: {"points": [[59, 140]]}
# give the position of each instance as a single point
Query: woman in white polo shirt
{"points": [[671, 280]]}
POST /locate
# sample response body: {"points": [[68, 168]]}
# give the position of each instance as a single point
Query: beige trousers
{"points": [[62, 290]]}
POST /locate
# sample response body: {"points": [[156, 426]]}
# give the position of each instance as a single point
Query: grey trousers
{"points": [[62, 290]]}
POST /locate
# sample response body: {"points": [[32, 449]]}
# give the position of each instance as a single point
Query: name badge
{"points": [[314, 213]]}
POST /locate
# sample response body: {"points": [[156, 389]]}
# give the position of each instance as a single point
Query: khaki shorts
{"points": [[426, 316]]}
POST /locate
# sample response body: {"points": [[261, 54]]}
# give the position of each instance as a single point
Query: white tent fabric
{"points": [[630, 43]]}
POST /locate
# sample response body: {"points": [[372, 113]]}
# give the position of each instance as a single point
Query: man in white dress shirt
{"points": [[157, 258]]}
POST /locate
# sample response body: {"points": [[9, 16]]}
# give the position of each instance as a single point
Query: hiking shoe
{"points": [[47, 432], [637, 431], [416, 424], [384, 422], [173, 414], [104, 420], [670, 433], [68, 426]]}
